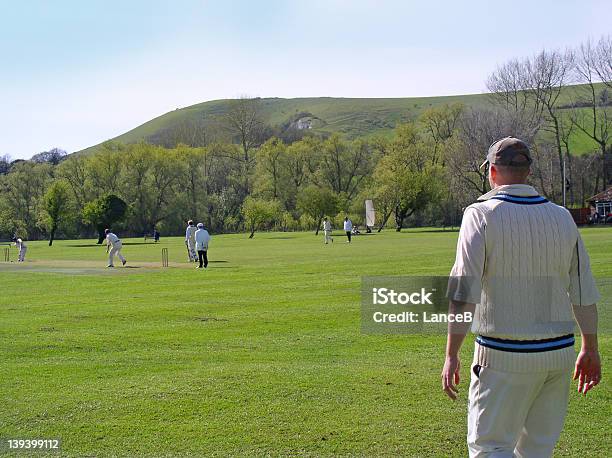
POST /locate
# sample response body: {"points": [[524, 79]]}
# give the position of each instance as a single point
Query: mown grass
{"points": [[261, 354]]}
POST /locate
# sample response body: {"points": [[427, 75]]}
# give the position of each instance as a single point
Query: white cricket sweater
{"points": [[190, 234], [202, 239], [112, 239], [521, 260]]}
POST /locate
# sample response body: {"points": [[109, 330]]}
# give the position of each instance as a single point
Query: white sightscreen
{"points": [[370, 214]]}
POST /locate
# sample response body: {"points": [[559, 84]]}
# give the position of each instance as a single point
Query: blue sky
{"points": [[75, 73]]}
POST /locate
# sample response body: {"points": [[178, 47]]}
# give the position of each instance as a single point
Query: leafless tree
{"points": [[510, 87], [549, 72], [477, 129], [245, 122], [531, 87], [566, 131], [194, 132], [595, 121], [603, 60]]}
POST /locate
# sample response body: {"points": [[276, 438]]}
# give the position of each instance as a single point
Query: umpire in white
{"points": [[521, 269]]}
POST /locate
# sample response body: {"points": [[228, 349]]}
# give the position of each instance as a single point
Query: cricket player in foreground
{"points": [[22, 247], [190, 241], [521, 269], [202, 238], [327, 230], [114, 244]]}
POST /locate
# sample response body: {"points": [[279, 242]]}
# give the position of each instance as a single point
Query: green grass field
{"points": [[261, 354]]}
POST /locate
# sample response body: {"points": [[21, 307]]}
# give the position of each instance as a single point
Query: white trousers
{"points": [[22, 253], [115, 250], [191, 247], [516, 414], [328, 236]]}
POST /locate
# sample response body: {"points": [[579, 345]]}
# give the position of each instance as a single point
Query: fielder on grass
{"points": [[519, 268], [348, 228], [113, 247], [327, 230], [22, 247], [190, 241]]}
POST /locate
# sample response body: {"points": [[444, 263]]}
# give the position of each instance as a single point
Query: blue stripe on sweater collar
{"points": [[519, 190], [524, 200]]}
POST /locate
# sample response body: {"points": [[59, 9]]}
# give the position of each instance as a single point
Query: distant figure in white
{"points": [[113, 247], [202, 238], [348, 228], [190, 241], [327, 230], [22, 247]]}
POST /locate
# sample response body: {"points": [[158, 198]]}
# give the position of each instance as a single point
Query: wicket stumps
{"points": [[7, 255], [164, 257]]}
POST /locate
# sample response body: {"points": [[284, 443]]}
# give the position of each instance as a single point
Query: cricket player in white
{"points": [[348, 228], [114, 245], [190, 241], [521, 269], [327, 230], [202, 238], [22, 247]]}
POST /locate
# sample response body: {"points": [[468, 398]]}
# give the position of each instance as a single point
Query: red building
{"points": [[601, 204]]}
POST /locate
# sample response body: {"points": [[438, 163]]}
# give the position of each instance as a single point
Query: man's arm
{"points": [[456, 335], [588, 363], [464, 290]]}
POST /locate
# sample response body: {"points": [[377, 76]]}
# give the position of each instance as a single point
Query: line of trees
{"points": [[247, 178]]}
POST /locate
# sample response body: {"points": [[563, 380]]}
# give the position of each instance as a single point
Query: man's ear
{"points": [[492, 171]]}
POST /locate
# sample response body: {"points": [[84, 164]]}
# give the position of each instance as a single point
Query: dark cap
{"points": [[506, 152]]}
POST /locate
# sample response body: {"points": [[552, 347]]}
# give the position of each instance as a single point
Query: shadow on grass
{"points": [[430, 230], [91, 245]]}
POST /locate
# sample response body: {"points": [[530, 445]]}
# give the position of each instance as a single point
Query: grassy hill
{"points": [[351, 117]]}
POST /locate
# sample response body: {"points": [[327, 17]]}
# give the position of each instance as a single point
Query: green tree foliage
{"points": [[316, 202], [344, 165], [270, 177], [440, 124], [103, 212], [407, 179], [257, 212], [22, 190], [57, 207]]}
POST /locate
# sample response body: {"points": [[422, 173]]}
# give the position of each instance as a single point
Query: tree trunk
{"points": [[399, 220], [384, 221], [604, 174], [52, 235], [252, 232], [318, 226]]}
